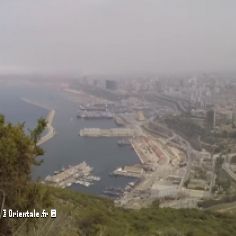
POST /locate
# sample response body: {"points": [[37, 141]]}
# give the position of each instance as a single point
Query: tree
{"points": [[18, 152]]}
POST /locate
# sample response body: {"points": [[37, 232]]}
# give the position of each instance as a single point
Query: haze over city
{"points": [[118, 117], [125, 36]]}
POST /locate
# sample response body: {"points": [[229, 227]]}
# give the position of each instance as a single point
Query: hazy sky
{"points": [[117, 36]]}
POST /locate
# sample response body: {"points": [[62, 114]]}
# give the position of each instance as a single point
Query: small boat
{"points": [[84, 183], [68, 184], [56, 172], [131, 184], [87, 184]]}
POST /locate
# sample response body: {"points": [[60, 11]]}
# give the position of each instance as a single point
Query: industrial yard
{"points": [[161, 170]]}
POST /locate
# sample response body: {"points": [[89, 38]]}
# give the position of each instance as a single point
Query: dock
{"points": [[50, 129], [135, 171], [78, 174], [50, 118]]}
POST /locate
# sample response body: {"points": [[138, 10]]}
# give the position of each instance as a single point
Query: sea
{"points": [[66, 147]]}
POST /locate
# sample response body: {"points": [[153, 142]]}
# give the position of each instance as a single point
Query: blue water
{"points": [[67, 147], [17, 111]]}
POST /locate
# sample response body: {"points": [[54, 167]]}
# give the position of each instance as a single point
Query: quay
{"points": [[136, 171], [50, 129], [50, 118], [79, 174]]}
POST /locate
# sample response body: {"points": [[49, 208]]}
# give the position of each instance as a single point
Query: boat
{"points": [[68, 184], [113, 192], [84, 183], [93, 178], [97, 178], [87, 184], [59, 171], [131, 184]]}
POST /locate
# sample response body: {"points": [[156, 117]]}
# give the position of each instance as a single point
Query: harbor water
{"points": [[67, 147]]}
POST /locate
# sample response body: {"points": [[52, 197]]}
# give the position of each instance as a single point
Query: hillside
{"points": [[80, 214]]}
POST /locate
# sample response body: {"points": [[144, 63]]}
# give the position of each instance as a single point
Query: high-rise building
{"points": [[210, 119], [111, 85], [234, 119]]}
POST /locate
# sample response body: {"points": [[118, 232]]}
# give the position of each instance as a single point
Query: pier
{"points": [[136, 171], [79, 174], [50, 129], [50, 118]]}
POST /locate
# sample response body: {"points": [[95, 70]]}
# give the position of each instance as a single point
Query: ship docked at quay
{"points": [[78, 174]]}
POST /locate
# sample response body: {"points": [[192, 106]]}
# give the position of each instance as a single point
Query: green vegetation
{"points": [[185, 127], [80, 214], [214, 141], [18, 152], [214, 202]]}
